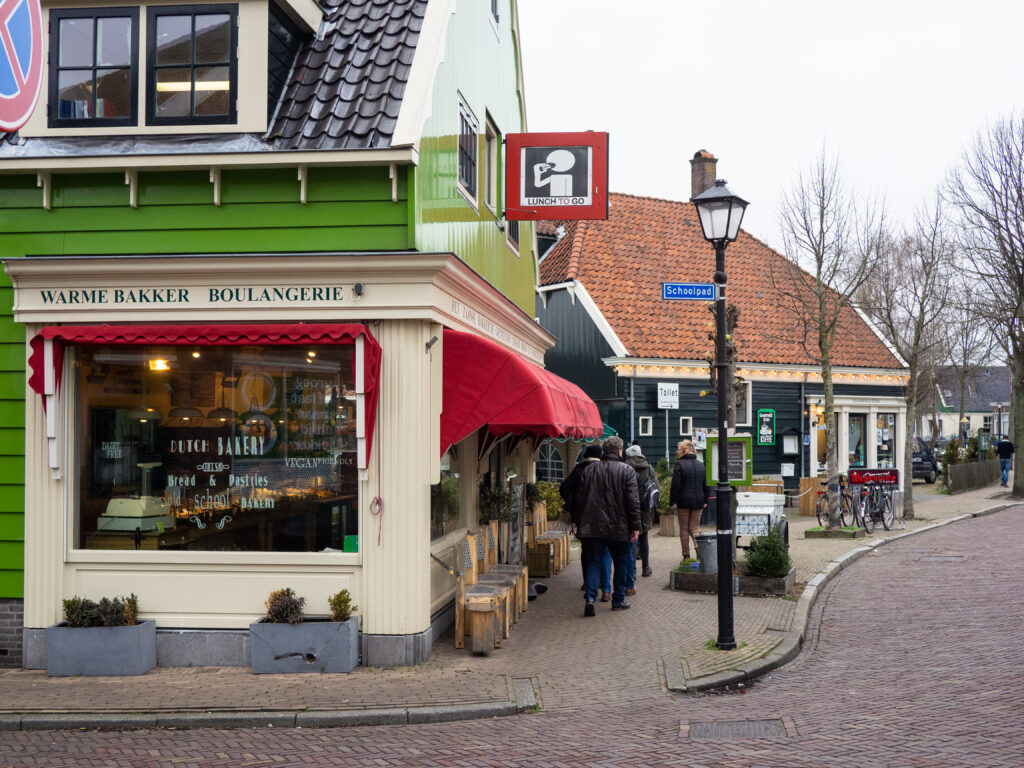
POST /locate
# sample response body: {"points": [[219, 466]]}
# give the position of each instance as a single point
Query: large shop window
{"points": [[885, 439], [216, 448]]}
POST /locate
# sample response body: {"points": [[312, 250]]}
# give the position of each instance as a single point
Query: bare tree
{"points": [[905, 311], [971, 338], [988, 190], [831, 244]]}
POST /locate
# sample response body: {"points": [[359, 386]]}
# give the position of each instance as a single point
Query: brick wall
{"points": [[12, 615]]}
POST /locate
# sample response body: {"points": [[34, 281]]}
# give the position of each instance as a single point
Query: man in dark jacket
{"points": [[644, 472], [1004, 450], [609, 520]]}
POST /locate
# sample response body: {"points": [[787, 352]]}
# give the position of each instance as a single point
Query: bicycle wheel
{"points": [[821, 510], [846, 510], [888, 514], [869, 518]]}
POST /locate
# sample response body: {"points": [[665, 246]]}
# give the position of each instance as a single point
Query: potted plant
{"points": [[496, 504], [104, 638], [286, 640], [444, 504], [769, 569]]}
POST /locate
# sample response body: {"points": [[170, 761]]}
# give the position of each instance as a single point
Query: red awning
{"points": [[487, 385], [213, 335]]}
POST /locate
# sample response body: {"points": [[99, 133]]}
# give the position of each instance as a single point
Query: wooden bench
{"points": [[548, 550], [476, 610]]}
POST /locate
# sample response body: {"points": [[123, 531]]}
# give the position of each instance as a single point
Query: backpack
{"points": [[651, 494]]}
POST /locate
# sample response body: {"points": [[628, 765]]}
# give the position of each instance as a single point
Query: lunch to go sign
{"points": [[560, 176]]}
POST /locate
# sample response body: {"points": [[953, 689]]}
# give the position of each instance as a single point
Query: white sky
{"points": [[896, 89]]}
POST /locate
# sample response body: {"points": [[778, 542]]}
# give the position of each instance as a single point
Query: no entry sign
{"points": [[21, 61], [556, 176]]}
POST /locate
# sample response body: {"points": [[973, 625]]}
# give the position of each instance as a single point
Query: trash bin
{"points": [[707, 552]]}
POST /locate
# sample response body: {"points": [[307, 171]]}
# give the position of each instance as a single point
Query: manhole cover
{"points": [[737, 729], [942, 558]]}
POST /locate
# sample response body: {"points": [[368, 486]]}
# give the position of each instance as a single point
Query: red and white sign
{"points": [[876, 476], [560, 176], [21, 61]]}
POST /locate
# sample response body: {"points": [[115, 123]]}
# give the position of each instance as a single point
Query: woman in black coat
{"points": [[689, 494]]}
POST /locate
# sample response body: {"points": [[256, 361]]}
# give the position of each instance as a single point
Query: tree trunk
{"points": [[908, 449], [831, 452], [1017, 416]]}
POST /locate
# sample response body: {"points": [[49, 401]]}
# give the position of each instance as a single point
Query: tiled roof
{"points": [[347, 84], [623, 261], [985, 386]]}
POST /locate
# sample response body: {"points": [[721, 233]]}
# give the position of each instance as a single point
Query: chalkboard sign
{"points": [[737, 459], [739, 455], [515, 553]]}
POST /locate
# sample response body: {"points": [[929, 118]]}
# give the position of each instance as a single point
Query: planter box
{"points": [[743, 585], [314, 645], [828, 534], [100, 651]]}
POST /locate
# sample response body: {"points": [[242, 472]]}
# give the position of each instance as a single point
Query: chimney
{"points": [[702, 172]]}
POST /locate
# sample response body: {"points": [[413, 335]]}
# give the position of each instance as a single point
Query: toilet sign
{"points": [[668, 395], [560, 176], [21, 61]]}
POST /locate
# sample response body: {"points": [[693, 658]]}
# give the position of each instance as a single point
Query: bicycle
{"points": [[847, 509], [878, 507]]}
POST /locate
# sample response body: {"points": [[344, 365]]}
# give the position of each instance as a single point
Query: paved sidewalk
{"points": [[555, 659]]}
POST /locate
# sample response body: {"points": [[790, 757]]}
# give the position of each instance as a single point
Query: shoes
{"points": [[647, 572], [588, 609], [605, 597], [630, 591], [621, 607]]}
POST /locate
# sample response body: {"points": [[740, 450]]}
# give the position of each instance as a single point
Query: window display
{"points": [[885, 439], [217, 448]]}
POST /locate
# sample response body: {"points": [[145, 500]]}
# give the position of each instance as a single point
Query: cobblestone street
{"points": [[911, 658]]}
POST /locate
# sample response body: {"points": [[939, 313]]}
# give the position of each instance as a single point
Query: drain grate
{"points": [[942, 558], [737, 729]]}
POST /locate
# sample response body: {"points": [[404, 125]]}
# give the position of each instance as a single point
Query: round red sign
{"points": [[21, 61]]}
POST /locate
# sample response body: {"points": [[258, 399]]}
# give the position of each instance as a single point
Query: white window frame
{"points": [[492, 148], [466, 116], [750, 406], [686, 431], [646, 426]]}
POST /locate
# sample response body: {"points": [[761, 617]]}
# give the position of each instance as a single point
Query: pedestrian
{"points": [[644, 472], [568, 490], [689, 494], [1004, 450], [609, 521]]}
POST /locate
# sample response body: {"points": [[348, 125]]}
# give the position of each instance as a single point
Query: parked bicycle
{"points": [[878, 507], [847, 508]]}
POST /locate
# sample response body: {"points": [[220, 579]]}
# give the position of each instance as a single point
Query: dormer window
{"points": [[192, 78], [94, 67]]}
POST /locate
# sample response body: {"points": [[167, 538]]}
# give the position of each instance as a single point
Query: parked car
{"points": [[926, 466]]}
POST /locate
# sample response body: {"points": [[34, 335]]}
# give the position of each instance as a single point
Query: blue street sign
{"points": [[688, 291]]}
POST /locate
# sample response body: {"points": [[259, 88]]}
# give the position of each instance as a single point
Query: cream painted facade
{"points": [[870, 407], [405, 300]]}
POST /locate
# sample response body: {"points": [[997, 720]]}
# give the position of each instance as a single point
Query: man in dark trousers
{"points": [[609, 504], [1004, 450]]}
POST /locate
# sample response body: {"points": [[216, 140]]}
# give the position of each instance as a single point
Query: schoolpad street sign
{"points": [[21, 61], [688, 291], [556, 176]]}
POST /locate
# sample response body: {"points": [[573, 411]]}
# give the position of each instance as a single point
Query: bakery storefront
{"points": [[201, 430]]}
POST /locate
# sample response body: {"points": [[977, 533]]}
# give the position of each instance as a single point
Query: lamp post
{"points": [[720, 213]]}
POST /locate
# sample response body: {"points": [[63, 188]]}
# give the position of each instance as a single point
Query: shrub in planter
{"points": [[768, 556], [286, 640], [495, 504], [102, 638], [550, 495]]}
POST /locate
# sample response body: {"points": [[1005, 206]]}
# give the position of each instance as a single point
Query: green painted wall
{"points": [[347, 209], [480, 65]]}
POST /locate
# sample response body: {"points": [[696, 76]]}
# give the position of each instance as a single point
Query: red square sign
{"points": [[556, 176]]}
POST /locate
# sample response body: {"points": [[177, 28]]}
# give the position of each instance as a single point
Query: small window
{"points": [[492, 145], [468, 131], [646, 426], [685, 426], [549, 464], [94, 73], [743, 405], [986, 423], [512, 228], [192, 64]]}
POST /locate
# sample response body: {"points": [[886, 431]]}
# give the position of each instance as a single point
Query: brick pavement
{"points": [[911, 659], [552, 646]]}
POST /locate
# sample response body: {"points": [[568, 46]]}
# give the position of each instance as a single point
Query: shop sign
{"points": [[765, 426], [560, 176], [206, 296], [21, 61]]}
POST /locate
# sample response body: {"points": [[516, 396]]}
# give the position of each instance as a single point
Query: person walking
{"points": [[689, 494], [568, 491], [644, 472], [1004, 450], [609, 521]]}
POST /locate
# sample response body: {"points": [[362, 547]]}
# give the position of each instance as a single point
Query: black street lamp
{"points": [[720, 214]]}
